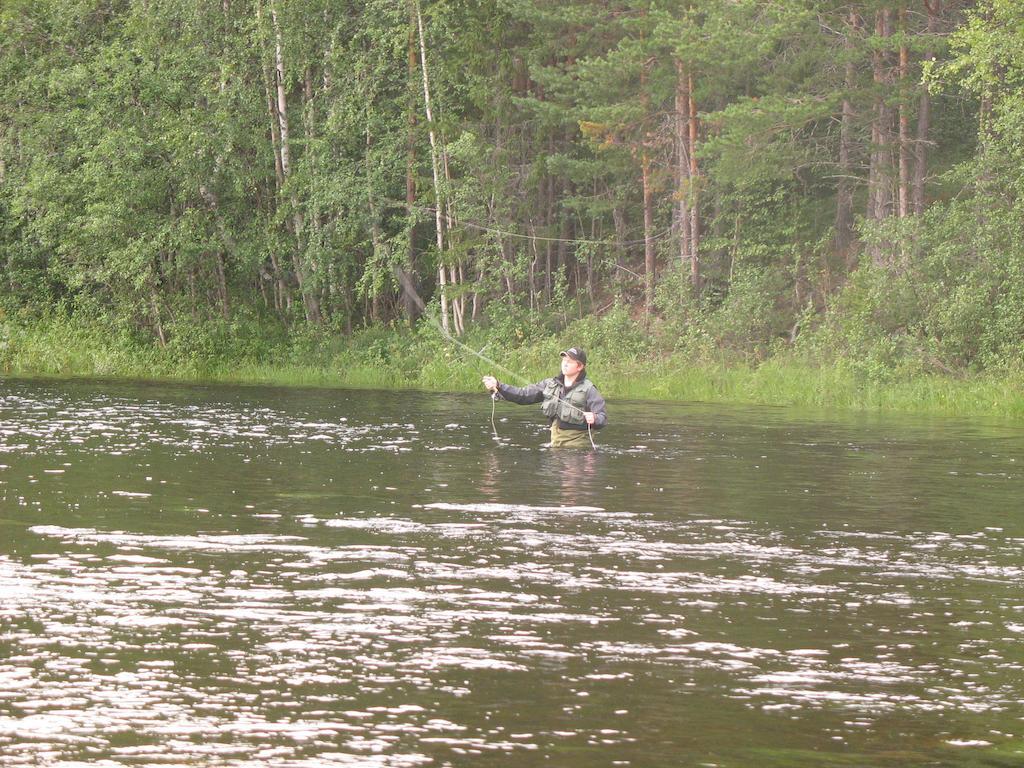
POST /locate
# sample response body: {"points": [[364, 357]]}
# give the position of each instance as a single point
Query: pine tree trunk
{"points": [[531, 271], [934, 8], [682, 167], [548, 195], [844, 190], [904, 122], [880, 172]]}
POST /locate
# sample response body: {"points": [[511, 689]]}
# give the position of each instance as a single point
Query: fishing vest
{"points": [[567, 408]]}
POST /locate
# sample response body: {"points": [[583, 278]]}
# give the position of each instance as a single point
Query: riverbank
{"points": [[397, 357]]}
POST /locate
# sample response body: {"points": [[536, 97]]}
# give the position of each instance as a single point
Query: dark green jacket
{"points": [[566, 406]]}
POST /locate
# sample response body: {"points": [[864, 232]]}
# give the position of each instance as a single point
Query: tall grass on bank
{"points": [[399, 358]]}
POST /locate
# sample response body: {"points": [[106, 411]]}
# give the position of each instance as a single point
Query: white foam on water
{"points": [[496, 508], [197, 543], [968, 743]]}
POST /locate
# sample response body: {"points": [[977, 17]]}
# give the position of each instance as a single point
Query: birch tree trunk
{"points": [[410, 298], [309, 300], [650, 266], [282, 298], [438, 212], [455, 272], [682, 169], [695, 276], [459, 304], [376, 236], [649, 260]]}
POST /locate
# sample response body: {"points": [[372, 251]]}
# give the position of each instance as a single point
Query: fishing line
{"points": [[506, 233], [542, 238]]}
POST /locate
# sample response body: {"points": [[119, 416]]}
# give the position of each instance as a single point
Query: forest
{"points": [[385, 182]]}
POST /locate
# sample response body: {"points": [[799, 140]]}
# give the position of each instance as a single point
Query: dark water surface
{"points": [[222, 576]]}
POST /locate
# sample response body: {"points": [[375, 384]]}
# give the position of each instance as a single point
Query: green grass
{"points": [[403, 359]]}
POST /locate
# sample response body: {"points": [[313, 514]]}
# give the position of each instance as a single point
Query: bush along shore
{"points": [[757, 202], [630, 359]]}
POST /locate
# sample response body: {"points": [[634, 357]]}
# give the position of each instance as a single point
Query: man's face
{"points": [[570, 367]]}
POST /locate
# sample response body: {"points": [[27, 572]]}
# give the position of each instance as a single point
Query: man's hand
{"points": [[589, 417], [490, 383]]}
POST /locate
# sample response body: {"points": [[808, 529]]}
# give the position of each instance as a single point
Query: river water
{"points": [[220, 576]]}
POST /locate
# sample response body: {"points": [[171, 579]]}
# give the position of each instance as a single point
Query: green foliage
{"points": [[510, 325], [615, 337], [145, 189]]}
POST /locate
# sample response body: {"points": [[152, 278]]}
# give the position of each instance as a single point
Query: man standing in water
{"points": [[570, 400]]}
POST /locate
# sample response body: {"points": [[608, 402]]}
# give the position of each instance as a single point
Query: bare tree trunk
{"points": [[282, 98], [309, 300], [459, 305], [565, 232], [904, 121], [880, 176], [934, 8], [506, 257], [280, 289], [314, 296], [650, 267], [280, 286], [619, 220], [649, 261], [410, 298], [844, 190], [456, 273], [590, 257], [880, 173], [229, 243], [532, 267], [695, 276], [275, 129], [438, 212], [155, 308], [548, 193], [375, 232], [682, 169], [222, 285]]}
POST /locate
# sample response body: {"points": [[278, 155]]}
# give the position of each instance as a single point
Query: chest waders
{"points": [[569, 437]]}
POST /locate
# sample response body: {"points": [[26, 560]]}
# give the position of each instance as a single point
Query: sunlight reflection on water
{"points": [[232, 583]]}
